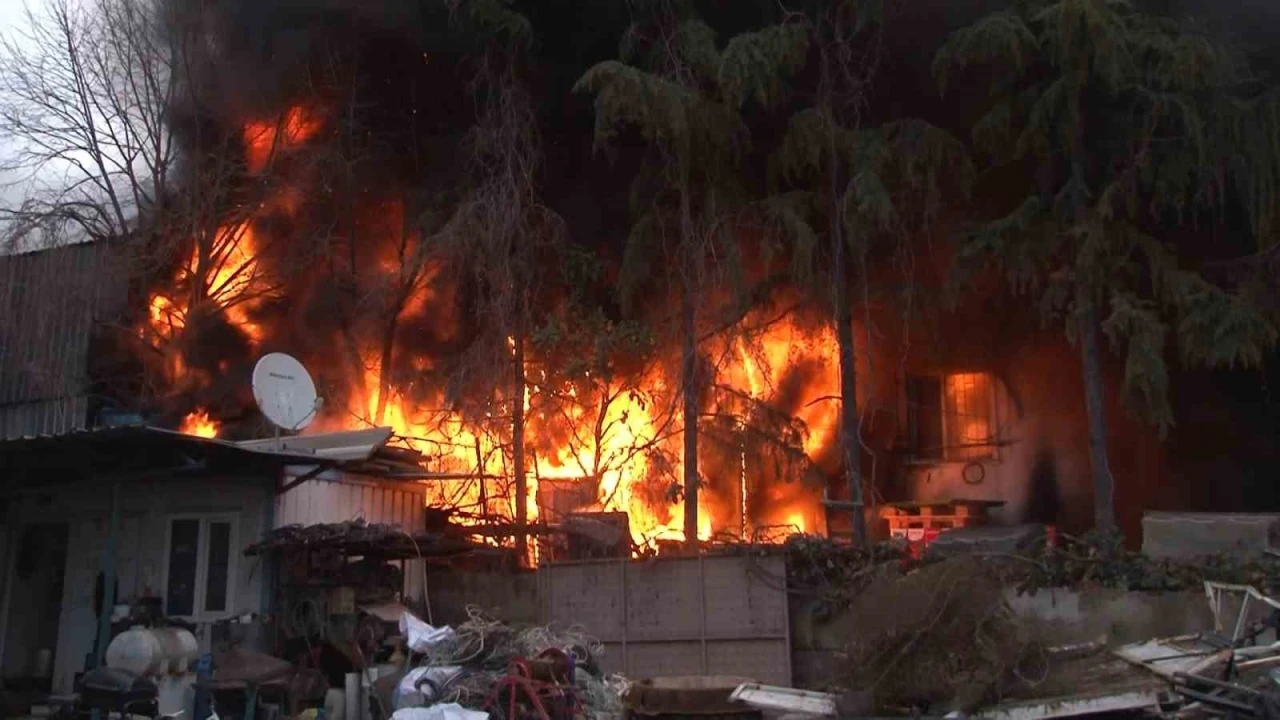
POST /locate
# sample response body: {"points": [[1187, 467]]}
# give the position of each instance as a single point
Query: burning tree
{"points": [[102, 105], [500, 232], [846, 187], [684, 96], [1137, 125]]}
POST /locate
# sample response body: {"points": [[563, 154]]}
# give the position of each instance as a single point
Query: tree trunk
{"points": [[688, 379], [384, 366], [849, 443], [517, 451], [1104, 514]]}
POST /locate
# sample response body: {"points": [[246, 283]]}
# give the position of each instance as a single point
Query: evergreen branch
{"points": [[495, 18], [1217, 328], [1136, 324], [694, 46], [923, 153], [665, 112], [757, 64], [1002, 38], [787, 215]]}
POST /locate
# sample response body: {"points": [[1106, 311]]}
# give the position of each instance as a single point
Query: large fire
{"points": [[593, 443]]}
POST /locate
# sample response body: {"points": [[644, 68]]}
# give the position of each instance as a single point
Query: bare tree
{"points": [[499, 229], [685, 96], [85, 94]]}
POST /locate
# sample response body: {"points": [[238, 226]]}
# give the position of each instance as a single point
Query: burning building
{"points": [[320, 188], [326, 151]]}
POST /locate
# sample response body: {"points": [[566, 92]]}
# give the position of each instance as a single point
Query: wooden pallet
{"points": [[936, 516]]}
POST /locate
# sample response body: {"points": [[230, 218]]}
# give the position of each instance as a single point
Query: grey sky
{"points": [[13, 16], [16, 186], [11, 13]]}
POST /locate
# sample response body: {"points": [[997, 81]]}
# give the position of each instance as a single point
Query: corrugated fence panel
{"points": [[51, 301], [718, 615], [334, 501]]}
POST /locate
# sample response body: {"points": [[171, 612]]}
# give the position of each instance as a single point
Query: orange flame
{"points": [[263, 139], [616, 438], [199, 423]]}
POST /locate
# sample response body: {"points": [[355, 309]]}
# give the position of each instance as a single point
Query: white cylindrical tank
{"points": [[152, 651], [180, 649]]}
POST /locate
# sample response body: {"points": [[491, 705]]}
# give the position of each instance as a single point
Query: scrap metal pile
{"points": [[510, 673]]}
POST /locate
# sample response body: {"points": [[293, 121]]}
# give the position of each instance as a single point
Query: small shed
{"points": [[157, 514]]}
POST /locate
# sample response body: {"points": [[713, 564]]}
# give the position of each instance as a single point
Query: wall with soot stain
{"points": [[1042, 470]]}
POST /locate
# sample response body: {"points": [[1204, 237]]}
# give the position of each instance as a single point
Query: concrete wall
{"points": [[509, 597], [1007, 477], [1055, 617], [1063, 617], [709, 615], [145, 511], [1187, 536]]}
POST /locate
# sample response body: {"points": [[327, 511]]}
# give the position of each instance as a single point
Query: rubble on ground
{"points": [[940, 638], [940, 634]]}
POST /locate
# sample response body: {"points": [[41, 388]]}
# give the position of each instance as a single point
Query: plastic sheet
{"points": [[420, 636], [442, 711]]}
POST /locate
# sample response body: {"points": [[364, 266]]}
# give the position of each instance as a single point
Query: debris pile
{"points": [[940, 634], [484, 664], [358, 538]]}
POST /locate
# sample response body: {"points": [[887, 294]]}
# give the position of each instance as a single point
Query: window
{"points": [[951, 417], [200, 565]]}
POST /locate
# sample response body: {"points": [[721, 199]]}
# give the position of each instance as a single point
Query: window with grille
{"points": [[951, 417]]}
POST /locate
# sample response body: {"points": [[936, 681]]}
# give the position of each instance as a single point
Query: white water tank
{"points": [[153, 651]]}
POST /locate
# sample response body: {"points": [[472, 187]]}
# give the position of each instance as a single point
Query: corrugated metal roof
{"points": [[50, 303], [133, 448], [346, 445]]}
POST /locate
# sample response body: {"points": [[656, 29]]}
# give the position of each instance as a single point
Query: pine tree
{"points": [[683, 94], [1135, 125], [847, 188]]}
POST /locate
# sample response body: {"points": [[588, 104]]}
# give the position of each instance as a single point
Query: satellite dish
{"points": [[284, 391]]}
